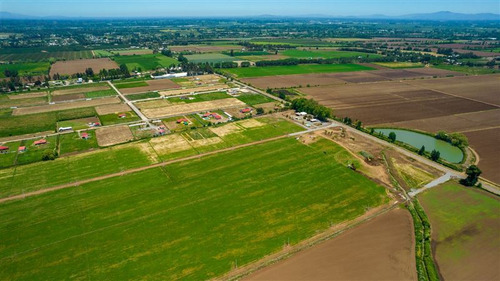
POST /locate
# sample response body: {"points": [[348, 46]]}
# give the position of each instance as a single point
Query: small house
{"points": [[22, 149], [246, 110], [122, 115], [40, 142], [208, 114], [182, 120], [4, 149], [217, 116], [85, 136]]}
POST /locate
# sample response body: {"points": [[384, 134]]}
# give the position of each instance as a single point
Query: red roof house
{"points": [[39, 142], [216, 116], [84, 136], [182, 120], [123, 115], [208, 114], [21, 149], [4, 148], [246, 110]]}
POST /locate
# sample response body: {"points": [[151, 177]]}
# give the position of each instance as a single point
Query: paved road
{"points": [[131, 105], [444, 178]]}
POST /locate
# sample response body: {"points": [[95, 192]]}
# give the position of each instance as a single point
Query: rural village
{"points": [[176, 154]]}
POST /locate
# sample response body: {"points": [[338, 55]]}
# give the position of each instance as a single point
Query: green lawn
{"points": [[210, 58], [254, 99], [295, 69], [305, 54], [145, 62], [72, 142], [467, 69], [103, 53], [192, 220], [24, 69]]}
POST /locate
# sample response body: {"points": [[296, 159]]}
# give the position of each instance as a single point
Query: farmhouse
{"points": [[22, 149], [40, 142], [4, 149], [182, 120], [122, 115], [85, 136], [246, 110]]}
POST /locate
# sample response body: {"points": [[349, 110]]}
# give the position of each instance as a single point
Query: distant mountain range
{"points": [[438, 16]]}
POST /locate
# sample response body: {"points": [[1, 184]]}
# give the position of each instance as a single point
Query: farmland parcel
{"points": [[79, 66], [295, 69], [465, 224], [164, 214]]}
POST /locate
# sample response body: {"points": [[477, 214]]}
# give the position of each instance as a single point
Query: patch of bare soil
{"points": [[64, 106], [188, 108], [153, 85], [112, 108], [107, 136], [380, 249], [78, 66]]}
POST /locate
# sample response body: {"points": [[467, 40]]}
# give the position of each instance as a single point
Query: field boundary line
{"points": [[134, 170], [290, 251]]}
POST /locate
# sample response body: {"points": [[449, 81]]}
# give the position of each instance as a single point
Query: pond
{"points": [[448, 152]]}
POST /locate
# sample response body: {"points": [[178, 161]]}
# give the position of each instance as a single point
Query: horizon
{"points": [[241, 8]]}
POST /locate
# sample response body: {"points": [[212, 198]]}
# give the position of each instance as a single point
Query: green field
{"points": [[69, 143], [292, 42], [145, 62], [25, 69], [6, 102], [134, 84], [210, 58], [304, 54], [112, 119], [142, 96], [43, 56], [192, 220], [295, 69], [201, 97], [99, 94], [465, 230], [467, 69], [254, 99], [103, 53], [396, 65], [40, 122]]}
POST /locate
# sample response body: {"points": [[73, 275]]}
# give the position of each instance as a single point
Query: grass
{"points": [[99, 94], [7, 159], [34, 153], [396, 65], [112, 119], [127, 85], [145, 62], [70, 143], [467, 69], [103, 53], [291, 42], [142, 96], [76, 124], [25, 69], [254, 99], [192, 220], [295, 69], [6, 102], [210, 58], [465, 226], [304, 54], [45, 56], [201, 97], [63, 170], [40, 122]]}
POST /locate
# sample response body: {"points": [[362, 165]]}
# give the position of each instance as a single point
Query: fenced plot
{"points": [[113, 135]]}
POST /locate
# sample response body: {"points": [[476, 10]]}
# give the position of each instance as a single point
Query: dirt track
{"points": [[73, 184], [380, 249]]}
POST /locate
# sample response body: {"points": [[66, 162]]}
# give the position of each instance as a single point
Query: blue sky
{"points": [[166, 8]]}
